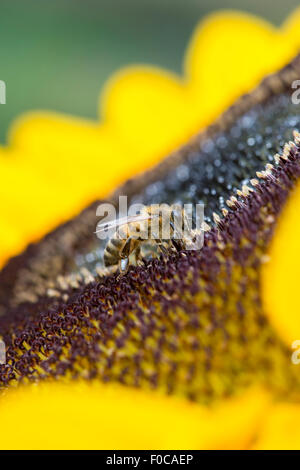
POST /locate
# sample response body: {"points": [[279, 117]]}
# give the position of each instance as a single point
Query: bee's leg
{"points": [[138, 255], [124, 255], [158, 243], [106, 271], [162, 246], [177, 244], [127, 249], [134, 251]]}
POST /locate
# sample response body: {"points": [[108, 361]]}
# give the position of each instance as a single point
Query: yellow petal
{"points": [[281, 275], [280, 429], [96, 416]]}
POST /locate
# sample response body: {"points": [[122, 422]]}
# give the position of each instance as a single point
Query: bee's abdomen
{"points": [[112, 251]]}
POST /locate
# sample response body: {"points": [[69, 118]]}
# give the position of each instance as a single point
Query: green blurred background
{"points": [[56, 54]]}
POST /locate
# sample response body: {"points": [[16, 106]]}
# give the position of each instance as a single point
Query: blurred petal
{"points": [[280, 276], [96, 416], [280, 428]]}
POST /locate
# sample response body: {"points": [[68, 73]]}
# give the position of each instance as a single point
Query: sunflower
{"points": [[193, 349]]}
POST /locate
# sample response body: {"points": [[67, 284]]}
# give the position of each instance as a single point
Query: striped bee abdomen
{"points": [[112, 250]]}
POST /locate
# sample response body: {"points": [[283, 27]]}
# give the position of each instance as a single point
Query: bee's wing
{"points": [[182, 220], [123, 221]]}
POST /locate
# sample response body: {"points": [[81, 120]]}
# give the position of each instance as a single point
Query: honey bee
{"points": [[170, 229]]}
